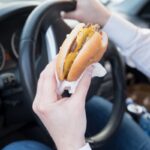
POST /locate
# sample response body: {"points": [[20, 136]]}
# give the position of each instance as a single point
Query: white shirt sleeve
{"points": [[133, 41], [86, 147]]}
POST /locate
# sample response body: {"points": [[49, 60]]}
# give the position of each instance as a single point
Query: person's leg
{"points": [[26, 145], [128, 137]]}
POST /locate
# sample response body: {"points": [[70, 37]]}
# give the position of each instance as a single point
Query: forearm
{"points": [[134, 42]]}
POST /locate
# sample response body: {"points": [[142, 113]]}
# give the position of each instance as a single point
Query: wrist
{"points": [[71, 145], [104, 15]]}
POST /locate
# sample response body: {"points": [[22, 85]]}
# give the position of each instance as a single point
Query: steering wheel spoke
{"points": [[51, 46]]}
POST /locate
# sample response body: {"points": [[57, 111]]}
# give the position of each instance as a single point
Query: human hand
{"points": [[64, 118], [89, 11]]}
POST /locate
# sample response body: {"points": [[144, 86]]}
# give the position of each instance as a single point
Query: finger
{"points": [[39, 90], [49, 84], [42, 76], [46, 86], [49, 89], [38, 94], [83, 86], [39, 87]]}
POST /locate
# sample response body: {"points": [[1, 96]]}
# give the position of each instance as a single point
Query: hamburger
{"points": [[84, 46]]}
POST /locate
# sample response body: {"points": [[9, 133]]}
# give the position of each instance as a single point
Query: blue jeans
{"points": [[128, 137]]}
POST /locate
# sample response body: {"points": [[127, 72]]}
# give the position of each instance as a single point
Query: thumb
{"points": [[84, 84]]}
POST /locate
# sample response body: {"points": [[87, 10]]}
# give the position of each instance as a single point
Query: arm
{"points": [[133, 41]]}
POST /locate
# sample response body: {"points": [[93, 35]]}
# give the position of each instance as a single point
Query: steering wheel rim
{"points": [[27, 70]]}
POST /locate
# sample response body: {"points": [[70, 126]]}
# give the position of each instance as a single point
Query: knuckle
{"points": [[50, 65], [41, 74], [40, 109], [34, 107]]}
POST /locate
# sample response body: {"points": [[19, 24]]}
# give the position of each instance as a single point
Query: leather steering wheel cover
{"points": [[27, 70], [119, 101]]}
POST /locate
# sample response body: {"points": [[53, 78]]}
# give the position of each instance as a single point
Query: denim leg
{"points": [[128, 137], [26, 145]]}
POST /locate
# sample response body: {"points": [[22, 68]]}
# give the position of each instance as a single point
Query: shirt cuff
{"points": [[86, 147], [120, 31]]}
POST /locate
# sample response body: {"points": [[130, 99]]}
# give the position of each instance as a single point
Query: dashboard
{"points": [[9, 43], [12, 19], [12, 96]]}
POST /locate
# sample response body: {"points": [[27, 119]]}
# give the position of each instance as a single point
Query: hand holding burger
{"points": [[59, 115], [82, 47]]}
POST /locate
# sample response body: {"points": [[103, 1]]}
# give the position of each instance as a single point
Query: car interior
{"points": [[31, 32]]}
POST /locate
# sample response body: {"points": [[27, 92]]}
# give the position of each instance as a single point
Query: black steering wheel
{"points": [[47, 17]]}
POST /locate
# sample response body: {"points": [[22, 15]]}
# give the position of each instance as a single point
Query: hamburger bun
{"points": [[84, 46]]}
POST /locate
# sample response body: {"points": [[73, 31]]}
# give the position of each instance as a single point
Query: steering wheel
{"points": [[47, 17]]}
